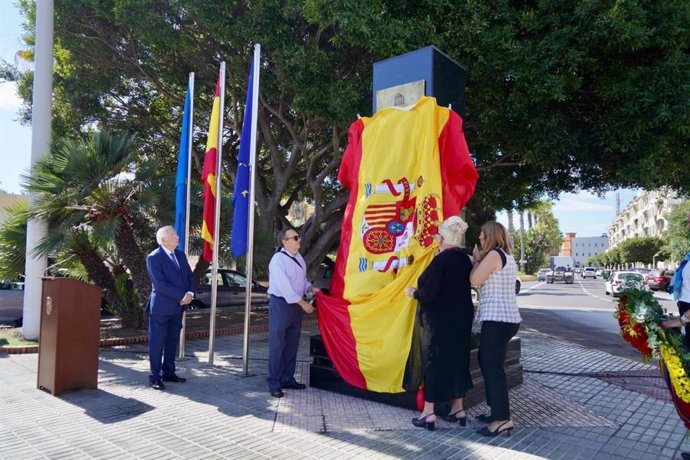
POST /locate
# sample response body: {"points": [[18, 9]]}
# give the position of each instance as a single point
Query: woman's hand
{"points": [[476, 254], [409, 291]]}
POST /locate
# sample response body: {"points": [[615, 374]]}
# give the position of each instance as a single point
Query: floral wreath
{"points": [[639, 316]]}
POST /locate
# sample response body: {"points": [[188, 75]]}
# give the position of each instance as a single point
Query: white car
{"points": [[588, 272], [619, 281]]}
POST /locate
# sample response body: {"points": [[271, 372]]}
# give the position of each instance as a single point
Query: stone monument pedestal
{"points": [[323, 375]]}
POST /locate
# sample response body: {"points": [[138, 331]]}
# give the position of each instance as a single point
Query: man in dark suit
{"points": [[173, 288]]}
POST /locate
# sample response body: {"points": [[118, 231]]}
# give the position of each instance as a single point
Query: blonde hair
{"points": [[452, 230], [495, 236]]}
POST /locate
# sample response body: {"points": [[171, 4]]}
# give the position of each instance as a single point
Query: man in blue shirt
{"points": [[287, 285], [172, 281]]}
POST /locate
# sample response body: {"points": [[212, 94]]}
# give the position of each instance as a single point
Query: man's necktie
{"points": [[174, 259]]}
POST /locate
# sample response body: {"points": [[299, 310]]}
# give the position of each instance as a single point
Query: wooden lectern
{"points": [[69, 335]]}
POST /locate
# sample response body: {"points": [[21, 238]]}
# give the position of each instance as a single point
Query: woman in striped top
{"points": [[495, 270]]}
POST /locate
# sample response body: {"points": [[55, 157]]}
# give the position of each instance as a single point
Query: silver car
{"points": [[541, 274], [231, 290]]}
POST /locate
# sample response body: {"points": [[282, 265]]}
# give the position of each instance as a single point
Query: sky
{"points": [[15, 139], [582, 213]]}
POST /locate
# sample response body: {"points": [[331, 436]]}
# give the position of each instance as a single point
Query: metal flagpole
{"points": [[216, 222], [190, 85], [250, 221]]}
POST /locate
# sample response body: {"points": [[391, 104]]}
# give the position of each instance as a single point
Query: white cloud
{"points": [[9, 99]]}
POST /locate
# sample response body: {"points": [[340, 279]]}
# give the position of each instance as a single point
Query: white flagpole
{"points": [[216, 222], [250, 221], [190, 85]]}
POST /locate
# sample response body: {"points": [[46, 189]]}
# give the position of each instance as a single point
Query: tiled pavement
{"points": [[575, 403]]}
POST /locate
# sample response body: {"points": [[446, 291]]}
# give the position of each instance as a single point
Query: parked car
{"points": [[15, 285], [619, 281], [659, 279], [541, 274], [589, 272], [231, 290]]}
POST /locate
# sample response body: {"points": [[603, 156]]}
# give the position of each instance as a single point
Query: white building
{"points": [[584, 247], [645, 215]]}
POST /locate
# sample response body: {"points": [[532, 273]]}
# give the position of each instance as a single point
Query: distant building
{"points": [[7, 200], [585, 247], [582, 248], [645, 215], [567, 246]]}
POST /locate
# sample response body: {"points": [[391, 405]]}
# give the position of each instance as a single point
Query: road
{"points": [[580, 312]]}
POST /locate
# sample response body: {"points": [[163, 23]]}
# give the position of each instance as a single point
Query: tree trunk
{"points": [[100, 274], [134, 259], [511, 223], [522, 240]]}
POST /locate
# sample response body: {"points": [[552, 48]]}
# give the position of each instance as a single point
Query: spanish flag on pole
{"points": [[208, 177], [407, 169]]}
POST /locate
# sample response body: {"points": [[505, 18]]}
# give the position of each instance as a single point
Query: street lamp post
{"points": [[654, 259]]}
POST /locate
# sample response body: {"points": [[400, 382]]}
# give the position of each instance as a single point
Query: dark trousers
{"points": [[493, 343], [284, 326], [682, 308], [164, 335]]}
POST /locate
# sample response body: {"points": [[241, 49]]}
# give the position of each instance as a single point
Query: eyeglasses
{"points": [[296, 238]]}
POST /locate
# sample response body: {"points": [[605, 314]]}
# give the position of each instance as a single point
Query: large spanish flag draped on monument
{"points": [[406, 170], [208, 177]]}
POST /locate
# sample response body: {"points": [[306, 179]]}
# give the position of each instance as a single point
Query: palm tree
{"points": [[89, 204], [13, 242]]}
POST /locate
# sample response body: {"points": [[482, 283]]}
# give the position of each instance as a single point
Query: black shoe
{"points": [[485, 418], [486, 432], [685, 455], [175, 378], [157, 385], [295, 386], [422, 422], [452, 418], [277, 393]]}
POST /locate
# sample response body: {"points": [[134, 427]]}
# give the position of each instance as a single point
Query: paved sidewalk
{"points": [[575, 403]]}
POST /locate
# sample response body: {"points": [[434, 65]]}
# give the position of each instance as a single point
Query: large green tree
{"points": [[641, 249], [561, 95]]}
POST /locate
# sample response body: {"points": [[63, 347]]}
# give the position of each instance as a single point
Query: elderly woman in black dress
{"points": [[447, 312]]}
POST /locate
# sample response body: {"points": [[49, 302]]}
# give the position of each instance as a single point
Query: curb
{"points": [[232, 330]]}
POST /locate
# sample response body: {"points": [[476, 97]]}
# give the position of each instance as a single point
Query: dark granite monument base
{"points": [[323, 375]]}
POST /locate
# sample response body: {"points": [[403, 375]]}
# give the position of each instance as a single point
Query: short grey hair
{"points": [[164, 233], [282, 234]]}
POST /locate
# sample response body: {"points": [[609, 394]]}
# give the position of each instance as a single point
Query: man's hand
{"points": [[409, 291], [314, 290], [187, 299], [306, 306]]}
